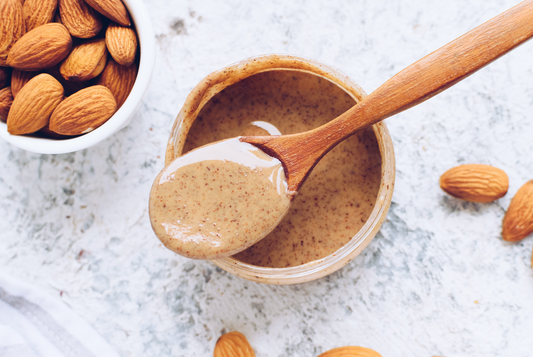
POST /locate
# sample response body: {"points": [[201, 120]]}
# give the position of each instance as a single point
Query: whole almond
{"points": [[350, 351], [38, 12], [121, 43], [33, 105], [81, 20], [11, 27], [19, 79], [41, 48], [6, 99], [518, 220], [86, 61], [5, 77], [118, 79], [233, 344], [83, 111], [475, 183], [112, 9]]}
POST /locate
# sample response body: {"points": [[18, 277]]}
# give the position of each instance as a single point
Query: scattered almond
{"points": [[83, 111], [85, 62], [518, 220], [122, 43], [112, 9], [34, 104], [6, 99], [19, 79], [119, 80], [233, 344], [80, 19], [475, 183], [38, 12], [11, 27], [350, 351], [41, 48], [5, 77]]}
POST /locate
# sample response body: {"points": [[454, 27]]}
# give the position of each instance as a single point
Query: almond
{"points": [[121, 43], [475, 183], [233, 344], [85, 62], [11, 27], [83, 111], [19, 79], [518, 220], [350, 351], [5, 77], [81, 20], [112, 9], [6, 99], [119, 80], [41, 48], [34, 104], [38, 12]]}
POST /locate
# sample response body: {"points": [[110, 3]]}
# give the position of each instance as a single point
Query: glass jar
{"points": [[219, 80]]}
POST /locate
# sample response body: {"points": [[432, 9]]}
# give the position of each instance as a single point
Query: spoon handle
{"points": [[415, 84]]}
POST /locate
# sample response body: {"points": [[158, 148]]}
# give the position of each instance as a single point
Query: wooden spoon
{"points": [[299, 153]]}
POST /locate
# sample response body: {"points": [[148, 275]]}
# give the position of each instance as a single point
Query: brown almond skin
{"points": [[5, 77], [69, 86], [12, 27], [86, 61], [475, 183], [112, 9], [6, 100], [83, 111], [121, 43], [19, 79], [38, 12], [118, 79], [518, 220], [81, 20], [41, 48], [350, 351], [233, 344], [34, 104]]}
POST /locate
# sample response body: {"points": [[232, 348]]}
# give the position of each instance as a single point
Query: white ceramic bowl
{"points": [[122, 117]]}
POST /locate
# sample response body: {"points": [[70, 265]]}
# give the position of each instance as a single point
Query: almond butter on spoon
{"points": [[252, 215]]}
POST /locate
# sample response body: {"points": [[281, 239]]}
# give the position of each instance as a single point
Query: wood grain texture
{"points": [[417, 83]]}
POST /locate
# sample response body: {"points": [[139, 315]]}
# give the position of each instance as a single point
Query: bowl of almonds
{"points": [[72, 72]]}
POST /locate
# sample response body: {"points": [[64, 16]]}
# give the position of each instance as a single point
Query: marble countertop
{"points": [[437, 280]]}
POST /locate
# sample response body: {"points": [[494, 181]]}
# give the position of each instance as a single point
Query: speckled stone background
{"points": [[437, 279]]}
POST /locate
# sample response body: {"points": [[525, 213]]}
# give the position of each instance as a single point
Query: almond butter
{"points": [[38, 12], [121, 43], [41, 48], [6, 100], [11, 27], [112, 9], [86, 61], [83, 111], [350, 351], [118, 79], [34, 104], [475, 183], [518, 220], [81, 20], [5, 77], [19, 79], [233, 344]]}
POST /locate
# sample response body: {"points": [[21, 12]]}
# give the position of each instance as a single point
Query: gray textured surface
{"points": [[437, 280]]}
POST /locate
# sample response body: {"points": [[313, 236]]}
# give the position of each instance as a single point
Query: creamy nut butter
{"points": [[339, 195], [218, 200]]}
